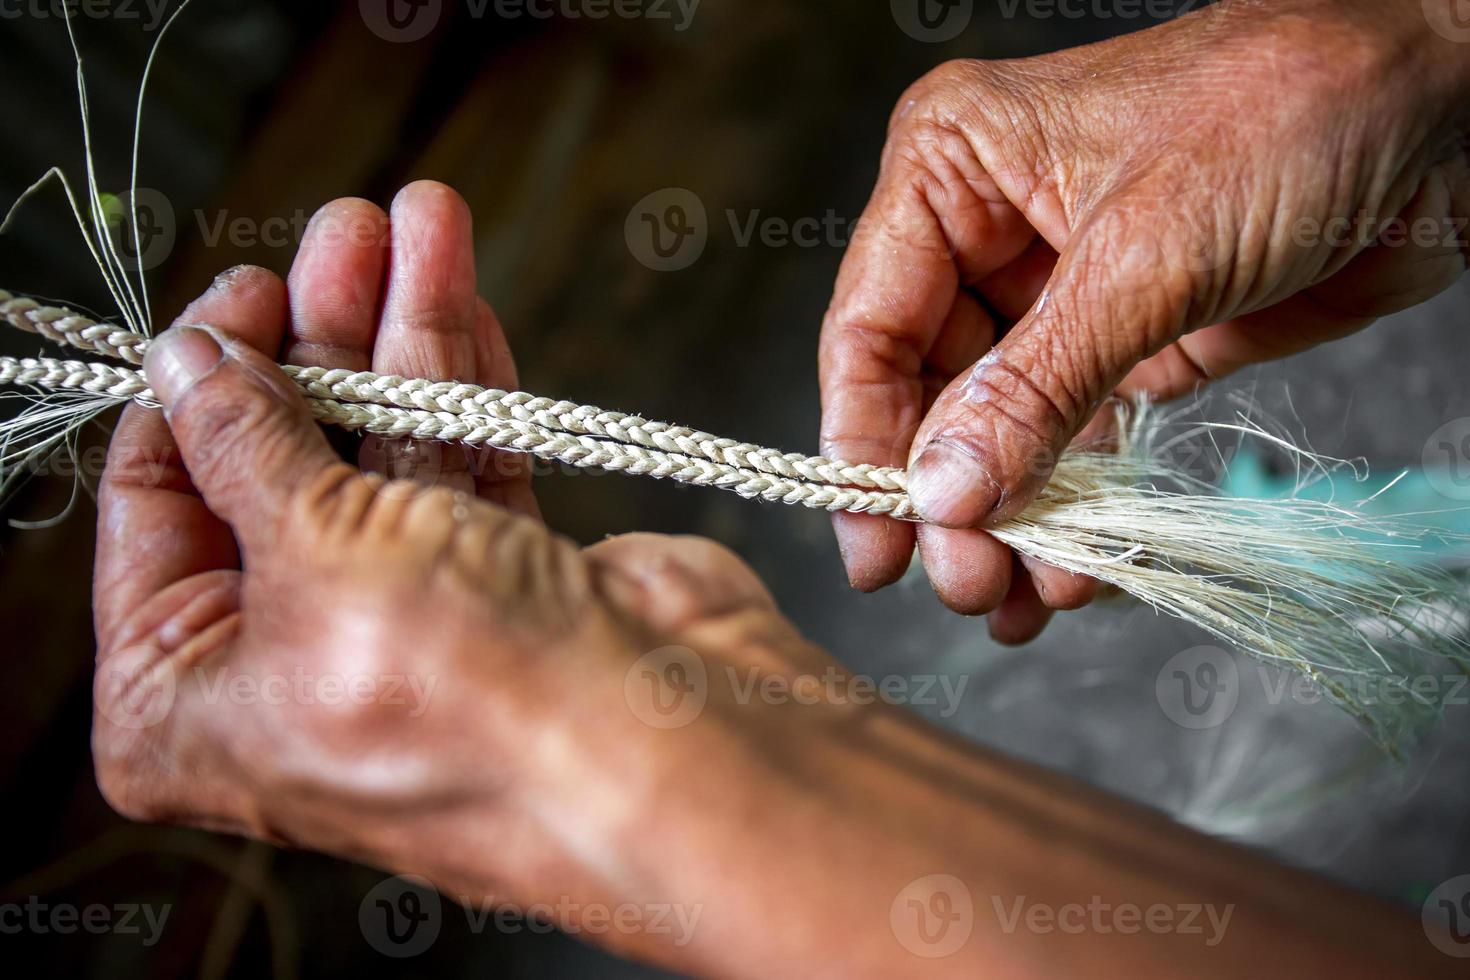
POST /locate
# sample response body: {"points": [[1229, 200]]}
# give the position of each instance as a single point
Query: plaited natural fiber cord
{"points": [[1280, 579], [1316, 587], [401, 408]]}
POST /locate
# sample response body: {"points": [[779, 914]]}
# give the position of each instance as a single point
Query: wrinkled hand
{"points": [[1137, 216], [406, 674], [294, 650]]}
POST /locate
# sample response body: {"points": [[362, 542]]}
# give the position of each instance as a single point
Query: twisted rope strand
{"points": [[522, 436], [1288, 581], [515, 434], [68, 327], [96, 379]]}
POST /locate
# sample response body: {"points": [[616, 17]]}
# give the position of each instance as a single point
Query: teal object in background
{"points": [[1415, 496]]}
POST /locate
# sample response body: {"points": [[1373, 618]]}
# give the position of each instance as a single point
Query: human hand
{"points": [[1137, 216], [392, 671], [247, 549], [403, 674]]}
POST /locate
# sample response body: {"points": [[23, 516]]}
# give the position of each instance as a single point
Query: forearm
{"points": [[827, 865], [830, 841]]}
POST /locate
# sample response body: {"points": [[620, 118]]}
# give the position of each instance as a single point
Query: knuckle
{"points": [[941, 93], [1032, 397], [866, 349], [1010, 430], [683, 580], [1135, 294], [956, 73]]}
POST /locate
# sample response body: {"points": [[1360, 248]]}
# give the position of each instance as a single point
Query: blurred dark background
{"points": [[555, 128]]}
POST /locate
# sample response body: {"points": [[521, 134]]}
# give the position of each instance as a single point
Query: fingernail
{"points": [[179, 358], [951, 488]]}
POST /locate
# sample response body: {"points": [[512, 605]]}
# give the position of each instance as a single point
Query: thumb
{"points": [[993, 437], [245, 433]]}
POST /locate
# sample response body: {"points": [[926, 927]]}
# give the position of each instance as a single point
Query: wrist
{"points": [[788, 828]]}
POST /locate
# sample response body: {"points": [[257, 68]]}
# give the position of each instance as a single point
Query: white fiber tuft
{"points": [[1322, 588]]}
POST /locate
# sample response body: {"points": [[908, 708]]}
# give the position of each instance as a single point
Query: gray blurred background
{"points": [[555, 128]]}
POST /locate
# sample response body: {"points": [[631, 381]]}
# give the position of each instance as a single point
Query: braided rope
{"points": [[96, 379], [67, 327], [512, 422], [589, 452]]}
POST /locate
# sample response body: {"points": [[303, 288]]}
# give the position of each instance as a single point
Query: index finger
{"points": [[936, 223], [888, 305]]}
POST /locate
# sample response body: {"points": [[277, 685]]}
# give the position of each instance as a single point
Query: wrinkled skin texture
{"points": [[236, 544], [1137, 216], [239, 545]]}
